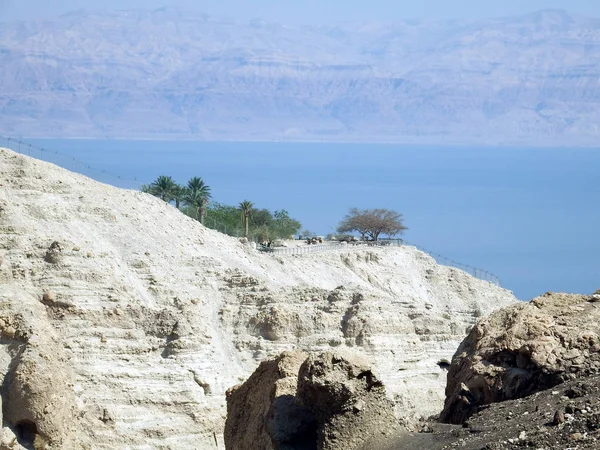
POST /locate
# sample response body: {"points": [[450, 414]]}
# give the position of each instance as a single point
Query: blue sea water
{"points": [[529, 215]]}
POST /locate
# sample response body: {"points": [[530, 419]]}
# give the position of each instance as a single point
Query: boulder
{"points": [[323, 401], [262, 413], [38, 402], [347, 399], [48, 297], [54, 253], [523, 349]]}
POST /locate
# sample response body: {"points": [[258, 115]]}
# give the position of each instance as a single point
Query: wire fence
{"points": [[69, 162], [303, 250], [474, 271], [337, 246], [74, 164]]}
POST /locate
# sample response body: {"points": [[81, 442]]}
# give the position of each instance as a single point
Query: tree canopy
{"points": [[246, 208], [372, 223], [258, 224], [283, 225], [164, 187], [197, 195]]}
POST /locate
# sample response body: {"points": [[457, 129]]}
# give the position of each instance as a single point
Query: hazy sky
{"points": [[310, 11]]}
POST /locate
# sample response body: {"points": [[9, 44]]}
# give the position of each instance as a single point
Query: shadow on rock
{"points": [[331, 401]]}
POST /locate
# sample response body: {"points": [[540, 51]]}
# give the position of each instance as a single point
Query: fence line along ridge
{"points": [[337, 246], [71, 163]]}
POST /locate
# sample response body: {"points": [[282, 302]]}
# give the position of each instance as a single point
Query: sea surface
{"points": [[529, 215]]}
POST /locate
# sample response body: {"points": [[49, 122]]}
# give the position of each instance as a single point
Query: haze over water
{"points": [[530, 216]]}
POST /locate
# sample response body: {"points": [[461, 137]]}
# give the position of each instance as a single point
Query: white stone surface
{"points": [[158, 316]]}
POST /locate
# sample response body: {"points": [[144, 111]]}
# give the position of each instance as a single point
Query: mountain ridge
{"points": [[174, 74]]}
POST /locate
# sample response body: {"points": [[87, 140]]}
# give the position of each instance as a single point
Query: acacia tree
{"points": [[372, 223], [355, 220], [197, 195], [246, 208]]}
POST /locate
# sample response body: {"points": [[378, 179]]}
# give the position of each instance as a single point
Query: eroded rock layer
{"points": [[145, 318], [523, 349]]}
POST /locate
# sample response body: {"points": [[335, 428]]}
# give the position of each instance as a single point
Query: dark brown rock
{"points": [[54, 253], [534, 422], [521, 350], [348, 401], [262, 413], [559, 417], [329, 401]]}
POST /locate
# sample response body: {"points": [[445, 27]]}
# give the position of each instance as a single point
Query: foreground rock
{"points": [[263, 412], [329, 401], [38, 401], [564, 417], [152, 317], [348, 400], [524, 349], [525, 377]]}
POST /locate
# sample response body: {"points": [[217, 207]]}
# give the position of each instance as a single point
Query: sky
{"points": [[309, 11]]}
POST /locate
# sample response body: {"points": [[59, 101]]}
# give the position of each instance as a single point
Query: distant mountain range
{"points": [[176, 74]]}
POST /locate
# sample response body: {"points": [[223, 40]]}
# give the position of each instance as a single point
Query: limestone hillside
{"points": [[123, 322]]}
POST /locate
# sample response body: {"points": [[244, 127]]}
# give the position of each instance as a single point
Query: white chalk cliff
{"points": [[123, 322]]}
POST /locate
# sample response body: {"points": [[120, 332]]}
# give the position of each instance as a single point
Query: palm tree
{"points": [[179, 194], [246, 209], [198, 184], [163, 187], [197, 195]]}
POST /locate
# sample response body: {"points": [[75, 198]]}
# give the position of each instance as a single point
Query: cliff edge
{"points": [[139, 318]]}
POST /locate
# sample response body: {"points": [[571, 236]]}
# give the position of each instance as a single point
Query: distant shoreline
{"points": [[539, 145]]}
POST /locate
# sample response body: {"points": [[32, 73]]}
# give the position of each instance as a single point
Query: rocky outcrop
{"points": [[153, 316], [523, 349], [564, 417], [38, 398], [348, 401], [328, 401], [403, 327], [262, 413]]}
